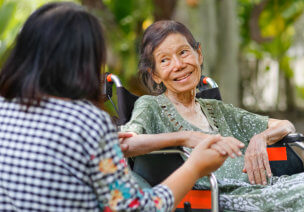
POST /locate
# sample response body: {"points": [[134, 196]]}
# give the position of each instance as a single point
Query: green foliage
{"points": [[124, 39], [275, 22], [7, 30], [284, 64], [13, 14], [300, 91], [244, 12]]}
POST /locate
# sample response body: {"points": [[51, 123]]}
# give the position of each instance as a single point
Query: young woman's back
{"points": [[47, 155]]}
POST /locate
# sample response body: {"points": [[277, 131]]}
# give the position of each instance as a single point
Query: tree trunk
{"points": [[290, 94], [281, 99], [226, 70], [164, 9], [214, 24], [93, 4], [201, 21]]}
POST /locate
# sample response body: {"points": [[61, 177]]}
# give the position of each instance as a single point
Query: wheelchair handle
{"points": [[115, 79], [210, 82]]}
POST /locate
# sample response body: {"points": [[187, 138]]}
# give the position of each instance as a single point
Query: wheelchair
{"points": [[286, 157]]}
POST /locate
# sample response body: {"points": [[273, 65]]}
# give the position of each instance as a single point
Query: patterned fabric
{"points": [[65, 156], [156, 114]]}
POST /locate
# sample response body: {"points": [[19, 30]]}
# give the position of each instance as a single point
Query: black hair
{"points": [[60, 51], [152, 37]]}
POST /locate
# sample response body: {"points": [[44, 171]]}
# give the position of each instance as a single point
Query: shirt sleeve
{"points": [[243, 124], [144, 116], [114, 186]]}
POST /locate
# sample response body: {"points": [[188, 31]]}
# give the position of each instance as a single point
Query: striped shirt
{"points": [[65, 156]]}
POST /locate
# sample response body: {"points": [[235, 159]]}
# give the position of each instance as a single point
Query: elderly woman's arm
{"points": [[256, 158], [278, 129], [133, 144]]}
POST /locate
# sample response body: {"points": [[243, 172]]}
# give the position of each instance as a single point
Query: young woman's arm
{"points": [[201, 162]]}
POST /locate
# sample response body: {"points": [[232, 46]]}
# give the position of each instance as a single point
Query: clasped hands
{"points": [[256, 158]]}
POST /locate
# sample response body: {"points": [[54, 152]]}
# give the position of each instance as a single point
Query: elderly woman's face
{"points": [[177, 64]]}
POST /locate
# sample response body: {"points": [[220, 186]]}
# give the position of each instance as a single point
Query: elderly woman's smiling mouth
{"points": [[183, 78]]}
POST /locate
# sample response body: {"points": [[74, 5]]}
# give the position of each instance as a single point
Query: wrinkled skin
{"points": [[256, 158]]}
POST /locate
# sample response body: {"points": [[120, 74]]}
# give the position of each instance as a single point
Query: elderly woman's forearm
{"points": [[145, 143], [278, 129]]}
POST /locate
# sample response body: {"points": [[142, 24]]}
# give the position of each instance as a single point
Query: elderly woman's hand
{"points": [[256, 160], [225, 145], [228, 146]]}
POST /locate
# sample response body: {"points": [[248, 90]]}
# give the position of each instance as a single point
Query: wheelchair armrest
{"points": [[286, 157], [289, 140], [293, 137]]}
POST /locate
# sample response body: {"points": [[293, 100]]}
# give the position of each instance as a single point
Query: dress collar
{"points": [[178, 122]]}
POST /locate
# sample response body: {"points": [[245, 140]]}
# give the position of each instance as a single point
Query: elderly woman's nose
{"points": [[177, 62]]}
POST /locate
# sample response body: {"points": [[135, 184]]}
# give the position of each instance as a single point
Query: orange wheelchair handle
{"points": [[115, 79], [109, 79], [210, 82]]}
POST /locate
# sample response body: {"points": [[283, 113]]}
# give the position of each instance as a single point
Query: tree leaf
{"points": [[6, 13]]}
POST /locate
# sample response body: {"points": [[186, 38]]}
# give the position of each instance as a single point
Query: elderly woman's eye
{"points": [[163, 60], [183, 52]]}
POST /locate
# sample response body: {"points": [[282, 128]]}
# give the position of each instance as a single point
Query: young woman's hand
{"points": [[122, 136]]}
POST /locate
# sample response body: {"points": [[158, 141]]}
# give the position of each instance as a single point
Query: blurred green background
{"points": [[254, 49]]}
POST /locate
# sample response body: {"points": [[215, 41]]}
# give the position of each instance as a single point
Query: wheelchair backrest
{"points": [[207, 89]]}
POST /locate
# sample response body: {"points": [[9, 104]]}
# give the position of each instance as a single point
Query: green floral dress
{"points": [[156, 114]]}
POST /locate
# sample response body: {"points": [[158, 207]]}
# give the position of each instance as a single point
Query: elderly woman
{"points": [[170, 67]]}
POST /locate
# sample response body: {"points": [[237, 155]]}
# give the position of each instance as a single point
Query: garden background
{"points": [[254, 49]]}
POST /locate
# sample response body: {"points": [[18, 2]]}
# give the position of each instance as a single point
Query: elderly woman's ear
{"points": [[200, 55], [155, 77]]}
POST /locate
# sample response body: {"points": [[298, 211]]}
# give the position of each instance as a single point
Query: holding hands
{"points": [[226, 146], [132, 144]]}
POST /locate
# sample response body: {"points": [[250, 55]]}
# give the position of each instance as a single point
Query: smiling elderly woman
{"points": [[170, 66]]}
